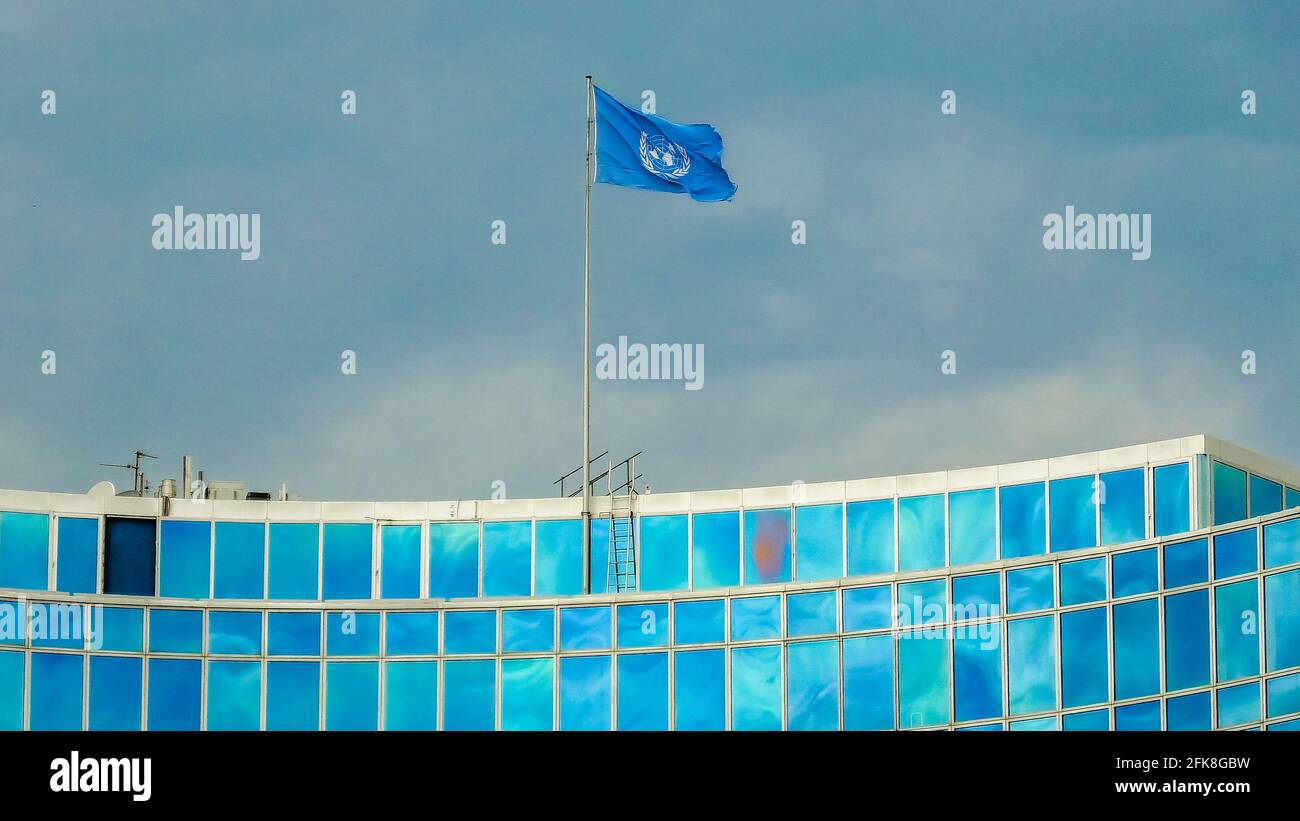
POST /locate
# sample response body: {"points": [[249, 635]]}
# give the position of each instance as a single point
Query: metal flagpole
{"points": [[586, 351]]}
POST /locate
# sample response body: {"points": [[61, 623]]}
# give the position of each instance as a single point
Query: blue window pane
{"points": [[238, 560], [585, 628], [976, 597], [1187, 640], [13, 623], [411, 634], [116, 684], [920, 532], [129, 553], [54, 698], [1265, 496], [13, 669], [186, 560], [528, 694], [62, 625], [756, 618], [1282, 543], [347, 560], [643, 691], [819, 552], [1229, 494], [699, 682], [1045, 724], [600, 538], [1083, 582], [643, 625], [234, 695], [175, 694], [1284, 695], [869, 683], [1135, 572], [699, 622], [293, 695], [1134, 717], [1189, 712], [1074, 513], [756, 688], [400, 562], [559, 557], [1172, 499], [977, 673], [665, 552], [1282, 620], [1136, 637], [982, 728], [528, 631], [470, 631], [972, 526], [119, 628], [1285, 726], [810, 614], [767, 546], [1123, 506], [453, 560], [293, 563], [1083, 656], [715, 550], [352, 634], [1186, 563], [867, 608], [1029, 589], [352, 695], [1239, 705], [870, 537], [1093, 720], [507, 561], [1235, 553], [1031, 662], [922, 603], [25, 551], [293, 634], [1024, 520], [237, 633], [585, 693], [923, 685], [411, 695], [78, 555], [813, 685], [1236, 620], [175, 631]]}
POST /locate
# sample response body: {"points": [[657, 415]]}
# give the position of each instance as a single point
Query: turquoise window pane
{"points": [[25, 552], [411, 634], [869, 683], [1037, 725], [920, 532], [1285, 726], [1265, 496], [175, 631], [599, 555], [976, 597], [528, 694], [129, 556], [977, 673], [1136, 637], [293, 634], [1236, 620], [528, 631], [54, 698], [1030, 589], [78, 555], [981, 728], [1093, 720], [175, 694], [470, 631], [119, 628], [239, 553], [59, 624], [643, 625], [1083, 582], [810, 614], [1283, 695], [1135, 573], [1187, 563], [819, 552], [234, 695], [13, 623], [352, 695], [1123, 506], [922, 603], [923, 684], [237, 633], [699, 622], [347, 559], [870, 537], [559, 558], [1187, 640], [116, 685], [352, 634], [293, 695], [973, 526], [453, 560], [1292, 497], [1031, 662], [1189, 712], [13, 669], [767, 546], [507, 560], [585, 693], [186, 561], [1173, 511], [293, 562], [410, 695], [400, 562], [1138, 717], [585, 628], [757, 617], [1235, 553], [756, 688], [715, 550], [1083, 656], [1239, 705], [1282, 543], [643, 691], [867, 608], [1282, 620], [665, 552], [1074, 513], [1229, 494], [699, 684], [813, 685], [469, 695], [1024, 520]]}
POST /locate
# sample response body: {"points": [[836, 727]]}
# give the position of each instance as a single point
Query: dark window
{"points": [[129, 547]]}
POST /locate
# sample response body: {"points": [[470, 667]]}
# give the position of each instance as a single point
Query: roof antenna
{"points": [[139, 485]]}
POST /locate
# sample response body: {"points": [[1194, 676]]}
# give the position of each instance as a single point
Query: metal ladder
{"points": [[621, 575]]}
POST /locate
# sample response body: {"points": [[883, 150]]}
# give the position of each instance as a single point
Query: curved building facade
{"points": [[1147, 587]]}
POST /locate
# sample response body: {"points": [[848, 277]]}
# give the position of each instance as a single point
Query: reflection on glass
{"points": [[528, 631], [1092, 720], [869, 683], [1172, 499], [175, 631], [78, 555], [1187, 640], [585, 693], [715, 550], [411, 634], [1083, 642], [813, 685], [129, 553], [810, 614], [410, 695], [1135, 717], [239, 554], [470, 631], [1031, 661], [453, 560], [1029, 589], [585, 628], [700, 686], [400, 562], [528, 694], [293, 695], [870, 540], [1186, 563], [972, 526], [1074, 513], [867, 608], [819, 552], [756, 688], [559, 558], [469, 695], [699, 622], [922, 603], [643, 691], [234, 695], [1283, 695], [643, 625], [346, 563], [1282, 620], [920, 532], [1135, 572], [54, 697], [1083, 581], [1189, 712], [293, 561], [1229, 494], [1239, 705], [665, 552], [352, 695], [767, 546], [923, 684], [1024, 520], [352, 634], [1282, 543], [292, 634], [1235, 553], [755, 617], [507, 558], [235, 633], [976, 597], [1135, 633], [13, 669], [24, 552], [1265, 496], [1123, 506], [175, 693], [116, 684], [185, 561], [977, 673]]}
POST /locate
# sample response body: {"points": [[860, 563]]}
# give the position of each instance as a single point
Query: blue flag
{"points": [[644, 151]]}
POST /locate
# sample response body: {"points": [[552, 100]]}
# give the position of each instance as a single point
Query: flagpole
{"points": [[586, 350]]}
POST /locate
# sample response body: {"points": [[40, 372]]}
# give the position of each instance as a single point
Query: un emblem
{"points": [[663, 157]]}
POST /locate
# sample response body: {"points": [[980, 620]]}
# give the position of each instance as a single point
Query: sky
{"points": [[822, 361]]}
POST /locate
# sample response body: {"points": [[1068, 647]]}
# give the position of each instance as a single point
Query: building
{"points": [[1147, 587]]}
